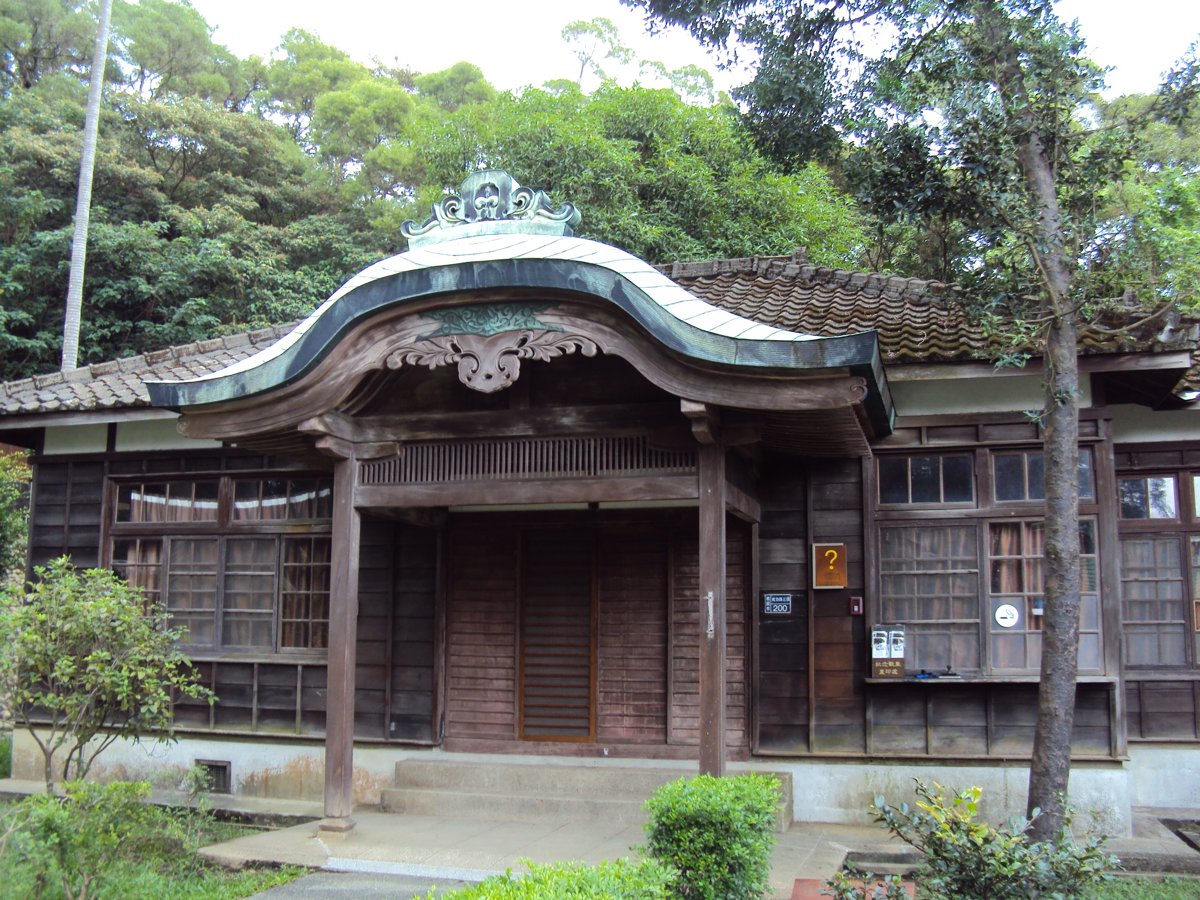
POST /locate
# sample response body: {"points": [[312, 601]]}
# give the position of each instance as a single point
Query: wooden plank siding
{"points": [[413, 635], [481, 623], [632, 639], [684, 726]]}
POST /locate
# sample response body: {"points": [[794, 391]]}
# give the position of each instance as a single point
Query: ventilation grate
{"points": [[527, 459]]}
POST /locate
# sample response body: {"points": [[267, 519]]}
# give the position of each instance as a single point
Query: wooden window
{"points": [[1154, 601], [304, 598], [1151, 497], [930, 582], [167, 501], [1017, 601], [243, 564], [926, 479], [1021, 475]]}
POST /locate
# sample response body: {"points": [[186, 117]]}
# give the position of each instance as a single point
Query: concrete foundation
{"points": [[1104, 795]]}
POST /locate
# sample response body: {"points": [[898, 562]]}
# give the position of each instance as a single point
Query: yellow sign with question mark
{"points": [[829, 566]]}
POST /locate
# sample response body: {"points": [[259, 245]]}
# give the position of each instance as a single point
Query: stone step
{"points": [[533, 790]]}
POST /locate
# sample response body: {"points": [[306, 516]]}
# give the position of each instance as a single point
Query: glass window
{"points": [[1021, 475], [1153, 605], [1017, 586], [927, 479], [170, 501], [1148, 498], [264, 591], [930, 582]]}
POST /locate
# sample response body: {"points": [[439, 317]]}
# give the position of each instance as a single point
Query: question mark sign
{"points": [[832, 556]]}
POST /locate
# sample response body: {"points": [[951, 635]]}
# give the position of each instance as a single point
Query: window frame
{"points": [[224, 529], [1183, 528], [985, 511]]}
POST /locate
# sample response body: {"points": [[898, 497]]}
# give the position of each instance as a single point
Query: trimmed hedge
{"points": [[717, 833], [619, 879]]}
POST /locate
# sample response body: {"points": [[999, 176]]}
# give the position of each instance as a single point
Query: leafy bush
{"points": [[6, 755], [68, 840], [619, 879], [84, 660], [717, 833], [851, 885], [106, 841], [14, 513], [968, 858]]}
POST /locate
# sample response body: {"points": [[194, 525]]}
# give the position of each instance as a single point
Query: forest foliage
{"points": [[232, 193]]}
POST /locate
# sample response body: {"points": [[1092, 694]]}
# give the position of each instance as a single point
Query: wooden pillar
{"points": [[343, 640], [712, 608]]}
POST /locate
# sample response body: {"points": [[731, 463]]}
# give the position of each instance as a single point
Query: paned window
{"points": [[930, 582], [1017, 590], [242, 564], [1152, 497], [965, 575], [1021, 475], [932, 479], [1152, 586]]}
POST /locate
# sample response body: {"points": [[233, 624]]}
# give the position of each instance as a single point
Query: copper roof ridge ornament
{"points": [[491, 201]]}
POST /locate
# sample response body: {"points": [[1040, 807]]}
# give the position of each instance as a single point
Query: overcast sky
{"points": [[517, 42]]}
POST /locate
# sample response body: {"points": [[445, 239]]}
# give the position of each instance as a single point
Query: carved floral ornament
{"points": [[490, 363]]}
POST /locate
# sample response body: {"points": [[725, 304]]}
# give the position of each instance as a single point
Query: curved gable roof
{"points": [[676, 318]]}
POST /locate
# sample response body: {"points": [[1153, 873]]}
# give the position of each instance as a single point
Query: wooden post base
{"points": [[336, 824]]}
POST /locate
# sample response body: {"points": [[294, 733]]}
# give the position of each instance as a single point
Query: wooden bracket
{"points": [[706, 421]]}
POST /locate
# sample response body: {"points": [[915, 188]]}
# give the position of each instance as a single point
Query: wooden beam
{"points": [[742, 504], [624, 418], [495, 493], [343, 640], [712, 488]]}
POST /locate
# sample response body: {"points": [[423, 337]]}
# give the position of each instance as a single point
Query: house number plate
{"points": [[777, 604]]}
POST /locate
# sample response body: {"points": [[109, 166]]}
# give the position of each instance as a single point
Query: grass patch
{"points": [[109, 847], [6, 755], [1147, 889]]}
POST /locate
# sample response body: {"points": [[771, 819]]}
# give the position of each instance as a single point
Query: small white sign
{"points": [[1007, 615]]}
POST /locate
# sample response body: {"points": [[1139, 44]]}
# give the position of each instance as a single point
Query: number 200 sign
{"points": [[829, 566]]}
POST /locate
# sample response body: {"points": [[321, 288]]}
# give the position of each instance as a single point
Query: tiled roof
{"points": [[118, 384], [917, 321]]}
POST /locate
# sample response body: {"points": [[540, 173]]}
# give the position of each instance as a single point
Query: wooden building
{"points": [[513, 491]]}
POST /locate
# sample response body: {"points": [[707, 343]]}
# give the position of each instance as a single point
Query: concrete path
{"points": [[459, 850]]}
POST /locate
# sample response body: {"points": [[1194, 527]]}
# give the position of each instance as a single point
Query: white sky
{"points": [[518, 42]]}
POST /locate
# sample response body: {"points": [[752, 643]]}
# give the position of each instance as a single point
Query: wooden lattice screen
{"points": [[526, 459]]}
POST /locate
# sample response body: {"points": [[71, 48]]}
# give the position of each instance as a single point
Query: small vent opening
{"points": [[218, 773]]}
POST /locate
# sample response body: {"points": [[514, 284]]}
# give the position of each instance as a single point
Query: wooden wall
{"points": [[813, 696], [646, 698]]}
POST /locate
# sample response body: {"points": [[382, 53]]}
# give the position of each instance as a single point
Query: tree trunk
{"points": [[1050, 766], [83, 200]]}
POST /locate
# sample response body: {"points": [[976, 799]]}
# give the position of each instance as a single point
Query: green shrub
{"points": [[717, 833], [968, 858], [619, 879], [852, 885], [6, 742], [70, 840]]}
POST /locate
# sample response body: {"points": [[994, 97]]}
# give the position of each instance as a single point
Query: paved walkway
{"points": [[458, 850], [393, 855]]}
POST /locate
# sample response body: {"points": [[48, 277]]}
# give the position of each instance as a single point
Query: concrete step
{"points": [[531, 792]]}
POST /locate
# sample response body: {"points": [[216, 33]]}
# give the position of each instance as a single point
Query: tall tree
{"points": [[83, 205], [992, 91]]}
